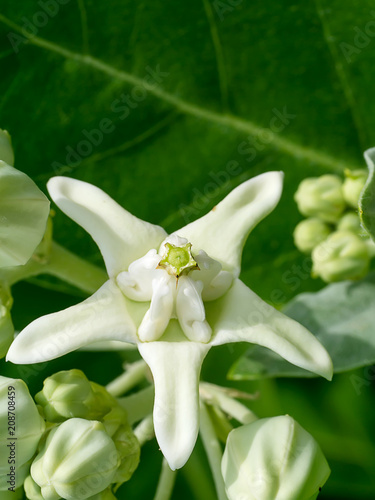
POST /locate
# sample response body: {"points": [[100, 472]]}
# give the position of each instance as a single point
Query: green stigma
{"points": [[178, 260]]}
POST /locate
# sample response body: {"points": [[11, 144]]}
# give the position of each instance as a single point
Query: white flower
{"points": [[174, 321]]}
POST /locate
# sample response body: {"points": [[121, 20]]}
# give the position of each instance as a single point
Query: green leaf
{"points": [[367, 199], [342, 318], [218, 93]]}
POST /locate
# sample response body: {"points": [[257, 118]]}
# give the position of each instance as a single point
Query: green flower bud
{"points": [[129, 451], [32, 490], [104, 495], [6, 151], [309, 233], [342, 256], [321, 197], [17, 406], [273, 459], [350, 222], [78, 461], [24, 212], [69, 394], [353, 185]]}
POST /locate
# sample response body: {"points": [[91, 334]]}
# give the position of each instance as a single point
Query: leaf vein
{"points": [[227, 120]]}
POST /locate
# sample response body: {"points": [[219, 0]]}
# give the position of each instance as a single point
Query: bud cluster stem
{"points": [[213, 450]]}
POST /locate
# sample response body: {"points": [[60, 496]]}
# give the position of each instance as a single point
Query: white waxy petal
{"points": [[241, 316], [136, 283], [223, 231], [103, 316], [190, 310], [121, 237], [157, 317], [216, 282], [176, 369]]}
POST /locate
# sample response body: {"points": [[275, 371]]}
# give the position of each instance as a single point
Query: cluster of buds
{"points": [[332, 233], [74, 443]]}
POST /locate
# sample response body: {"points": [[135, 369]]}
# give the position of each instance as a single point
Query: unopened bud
{"points": [[349, 222], [78, 460], [309, 233], [321, 197], [32, 490], [69, 394], [342, 256], [273, 459], [104, 495], [354, 183], [20, 420]]}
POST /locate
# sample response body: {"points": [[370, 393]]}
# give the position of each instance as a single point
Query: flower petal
{"points": [[223, 231], [176, 368], [103, 316], [240, 315], [121, 237], [190, 310]]}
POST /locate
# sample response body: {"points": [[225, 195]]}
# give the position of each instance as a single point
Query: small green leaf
{"points": [[342, 318], [367, 199]]}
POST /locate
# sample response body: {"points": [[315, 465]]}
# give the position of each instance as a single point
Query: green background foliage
{"points": [[225, 71]]}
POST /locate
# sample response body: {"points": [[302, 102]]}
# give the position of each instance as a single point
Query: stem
{"points": [[213, 450], [145, 430], [139, 404], [133, 375], [166, 482], [62, 264], [74, 270], [216, 396]]}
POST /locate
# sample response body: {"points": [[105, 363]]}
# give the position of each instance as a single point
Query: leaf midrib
{"points": [[231, 121]]}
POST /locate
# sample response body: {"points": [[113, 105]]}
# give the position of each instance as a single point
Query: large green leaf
{"points": [[226, 71], [342, 318]]}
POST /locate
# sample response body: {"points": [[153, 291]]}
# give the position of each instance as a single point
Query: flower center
{"points": [[178, 260]]}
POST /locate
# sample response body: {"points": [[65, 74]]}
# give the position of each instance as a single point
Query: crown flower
{"points": [[174, 296]]}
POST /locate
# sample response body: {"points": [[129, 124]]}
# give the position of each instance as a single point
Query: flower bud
{"points": [[17, 406], [342, 256], [349, 222], [24, 212], [353, 185], [6, 151], [321, 197], [129, 451], [78, 460], [69, 394], [309, 233], [104, 495], [32, 490], [273, 459]]}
